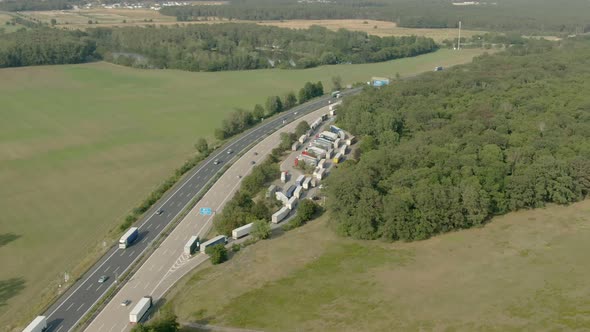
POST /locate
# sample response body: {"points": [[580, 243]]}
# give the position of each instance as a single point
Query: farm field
{"points": [[78, 19], [522, 271], [80, 145], [4, 18]]}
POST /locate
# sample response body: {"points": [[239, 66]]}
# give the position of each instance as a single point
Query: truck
{"points": [[350, 141], [241, 231], [219, 239], [298, 191], [337, 158], [320, 173], [320, 143], [292, 203], [322, 163], [295, 146], [271, 191], [284, 176], [191, 245], [300, 180], [336, 143], [302, 139], [336, 94], [278, 216], [281, 197], [140, 309], [343, 150], [334, 106], [308, 160], [128, 238], [330, 136], [330, 154], [307, 183], [290, 191], [39, 324], [317, 152]]}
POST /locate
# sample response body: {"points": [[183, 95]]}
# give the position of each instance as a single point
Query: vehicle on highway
{"points": [[125, 303], [255, 153], [252, 162], [284, 121], [127, 239], [239, 176], [217, 161], [159, 212], [140, 309], [102, 279], [39, 324], [230, 151], [294, 113]]}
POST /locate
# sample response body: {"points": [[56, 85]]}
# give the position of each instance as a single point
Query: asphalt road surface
{"points": [[80, 298]]}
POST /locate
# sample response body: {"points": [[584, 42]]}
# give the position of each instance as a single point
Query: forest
{"points": [[450, 150], [206, 47], [524, 16]]}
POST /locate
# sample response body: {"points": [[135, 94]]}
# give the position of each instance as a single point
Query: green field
{"points": [[524, 271], [80, 145]]}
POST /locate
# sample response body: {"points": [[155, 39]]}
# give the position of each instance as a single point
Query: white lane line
{"points": [[172, 203], [176, 237], [143, 240], [99, 287], [179, 204], [165, 251], [61, 327], [107, 269], [124, 328], [131, 254], [122, 253], [161, 267], [87, 288], [117, 269], [151, 267], [198, 177], [80, 307], [158, 226], [181, 193], [146, 285], [168, 215], [135, 286], [111, 329], [149, 226], [100, 328], [71, 304]]}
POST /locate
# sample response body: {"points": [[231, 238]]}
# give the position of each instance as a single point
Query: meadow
{"points": [[80, 145], [522, 271]]}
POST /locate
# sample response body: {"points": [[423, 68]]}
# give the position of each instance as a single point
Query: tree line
{"points": [[206, 47], [450, 150], [525, 16]]}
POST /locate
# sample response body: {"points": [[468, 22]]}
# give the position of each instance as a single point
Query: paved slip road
{"points": [[78, 300]]}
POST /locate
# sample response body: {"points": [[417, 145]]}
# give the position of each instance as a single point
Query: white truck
{"points": [[241, 231], [307, 183], [320, 173], [298, 191], [281, 197], [279, 215], [295, 146], [191, 245], [284, 176], [302, 139], [322, 163], [140, 309], [127, 239], [39, 324], [292, 203], [300, 180], [219, 239]]}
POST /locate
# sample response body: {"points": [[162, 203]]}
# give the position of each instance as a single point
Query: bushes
{"points": [[217, 253], [306, 211]]}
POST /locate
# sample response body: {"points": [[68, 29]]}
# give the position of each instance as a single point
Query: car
{"points": [[102, 279], [125, 303], [159, 212], [284, 121], [217, 161], [252, 162], [295, 113], [239, 176], [230, 151], [255, 153]]}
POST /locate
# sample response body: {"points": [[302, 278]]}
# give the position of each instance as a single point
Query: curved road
{"points": [[80, 298]]}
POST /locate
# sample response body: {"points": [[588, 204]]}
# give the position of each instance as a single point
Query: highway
{"points": [[80, 298]]}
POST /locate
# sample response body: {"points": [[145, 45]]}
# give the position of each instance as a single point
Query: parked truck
{"points": [[39, 324], [330, 136], [320, 174], [298, 191], [284, 176], [295, 146], [302, 139], [290, 191], [219, 239], [337, 158], [343, 149], [128, 238], [330, 154], [337, 143], [140, 309], [241, 231], [300, 180], [281, 197], [271, 191], [191, 245], [292, 203], [307, 183], [322, 163], [278, 216]]}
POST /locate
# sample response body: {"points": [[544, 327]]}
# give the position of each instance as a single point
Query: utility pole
{"points": [[459, 41]]}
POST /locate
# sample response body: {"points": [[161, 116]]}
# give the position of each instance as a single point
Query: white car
{"points": [[125, 303]]}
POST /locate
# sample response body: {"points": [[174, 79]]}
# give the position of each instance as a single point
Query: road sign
{"points": [[205, 211]]}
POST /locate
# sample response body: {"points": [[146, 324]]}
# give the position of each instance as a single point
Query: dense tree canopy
{"points": [[449, 150]]}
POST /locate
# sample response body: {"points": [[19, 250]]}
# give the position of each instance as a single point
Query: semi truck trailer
{"points": [[191, 245], [298, 192], [241, 231], [128, 238], [300, 180], [219, 239], [278, 216], [140, 309], [39, 324]]}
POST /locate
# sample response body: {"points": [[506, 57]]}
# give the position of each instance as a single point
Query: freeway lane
{"points": [[79, 299]]}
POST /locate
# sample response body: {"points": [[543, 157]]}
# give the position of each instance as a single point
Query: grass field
{"points": [[78, 19], [80, 145], [6, 17], [523, 271]]}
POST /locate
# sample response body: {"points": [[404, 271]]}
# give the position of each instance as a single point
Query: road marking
{"points": [[179, 204], [161, 267], [131, 254], [101, 325], [158, 226], [80, 307], [135, 286], [165, 251], [176, 237], [112, 327], [70, 306], [151, 267], [107, 269], [99, 287], [172, 203], [87, 288], [198, 177], [122, 253], [181, 193], [61, 327], [146, 285], [168, 215], [117, 269], [149, 226]]}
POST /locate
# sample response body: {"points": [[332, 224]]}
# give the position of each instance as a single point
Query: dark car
{"points": [[159, 212], [217, 161], [102, 279], [252, 162]]}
